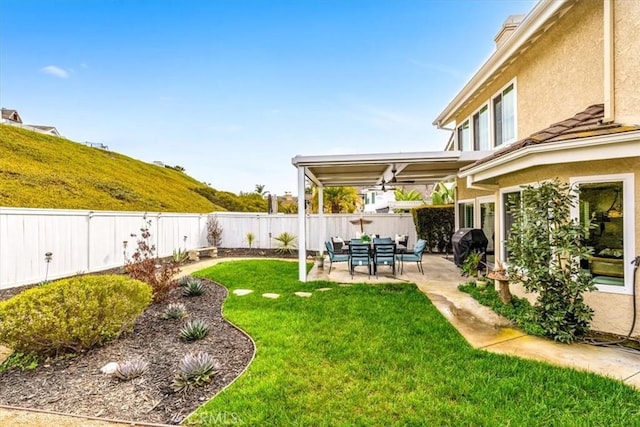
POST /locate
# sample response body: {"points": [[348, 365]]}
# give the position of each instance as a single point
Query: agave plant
{"points": [[195, 369], [175, 310], [131, 369], [193, 287], [184, 280], [285, 242], [194, 330], [180, 256]]}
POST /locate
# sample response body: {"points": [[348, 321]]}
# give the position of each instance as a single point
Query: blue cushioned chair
{"points": [[382, 240], [416, 256], [359, 255], [333, 257], [384, 254]]}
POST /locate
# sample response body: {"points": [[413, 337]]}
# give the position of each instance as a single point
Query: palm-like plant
{"points": [[336, 199], [250, 239], [443, 194], [407, 195], [285, 242]]}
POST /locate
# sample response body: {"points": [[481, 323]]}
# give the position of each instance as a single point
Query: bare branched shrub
{"points": [[144, 265], [214, 231]]}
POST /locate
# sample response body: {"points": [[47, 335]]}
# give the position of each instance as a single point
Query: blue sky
{"points": [[233, 89]]}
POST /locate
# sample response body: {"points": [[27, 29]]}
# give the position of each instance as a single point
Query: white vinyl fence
{"points": [[88, 241]]}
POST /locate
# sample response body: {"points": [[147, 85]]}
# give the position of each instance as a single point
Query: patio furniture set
{"points": [[379, 252]]}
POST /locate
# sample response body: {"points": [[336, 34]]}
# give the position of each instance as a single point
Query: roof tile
{"points": [[584, 124]]}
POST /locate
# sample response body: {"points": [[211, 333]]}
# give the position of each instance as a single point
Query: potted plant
{"points": [[320, 260], [472, 267]]}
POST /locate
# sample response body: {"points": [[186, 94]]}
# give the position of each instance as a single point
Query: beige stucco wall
{"points": [[613, 312], [559, 76], [463, 193], [627, 61]]}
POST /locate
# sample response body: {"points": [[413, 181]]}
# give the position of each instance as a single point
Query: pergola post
{"points": [[302, 227], [323, 223]]}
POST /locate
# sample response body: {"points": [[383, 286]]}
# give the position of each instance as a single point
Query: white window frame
{"points": [[491, 113], [489, 124], [628, 206], [502, 239], [466, 121], [458, 205], [492, 135]]}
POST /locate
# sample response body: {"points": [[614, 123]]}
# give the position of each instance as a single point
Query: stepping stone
{"points": [[241, 292], [303, 294], [271, 296], [345, 285], [323, 289]]}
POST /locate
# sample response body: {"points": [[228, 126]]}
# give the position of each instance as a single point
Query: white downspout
{"points": [[609, 62], [302, 227]]}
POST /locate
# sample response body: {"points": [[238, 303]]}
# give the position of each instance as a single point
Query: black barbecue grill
{"points": [[467, 240]]}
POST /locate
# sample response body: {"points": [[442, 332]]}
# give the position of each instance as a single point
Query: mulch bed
{"points": [[76, 385]]}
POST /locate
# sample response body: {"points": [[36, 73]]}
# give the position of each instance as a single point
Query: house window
{"points": [[464, 138], [504, 116], [487, 224], [604, 205], [481, 129], [508, 198], [373, 198], [465, 215]]}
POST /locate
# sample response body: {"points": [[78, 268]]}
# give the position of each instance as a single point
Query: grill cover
{"points": [[466, 240]]}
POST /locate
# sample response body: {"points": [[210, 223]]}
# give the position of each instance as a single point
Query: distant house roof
{"points": [[47, 129], [11, 115], [585, 124]]}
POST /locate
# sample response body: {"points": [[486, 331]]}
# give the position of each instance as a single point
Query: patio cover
{"points": [[412, 168]]}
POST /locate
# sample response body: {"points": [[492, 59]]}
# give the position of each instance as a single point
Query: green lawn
{"points": [[383, 355]]}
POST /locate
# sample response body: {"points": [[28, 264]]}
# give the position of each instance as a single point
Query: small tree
{"points": [[144, 265], [214, 231], [545, 247]]}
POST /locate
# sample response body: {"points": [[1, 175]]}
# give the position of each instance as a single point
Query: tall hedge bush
{"points": [[73, 314], [436, 225]]}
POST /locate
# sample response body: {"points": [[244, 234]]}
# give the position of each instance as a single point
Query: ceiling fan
{"points": [[395, 180]]}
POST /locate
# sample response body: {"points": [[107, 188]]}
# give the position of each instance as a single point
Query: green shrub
{"points": [[545, 245], [436, 225], [73, 314]]}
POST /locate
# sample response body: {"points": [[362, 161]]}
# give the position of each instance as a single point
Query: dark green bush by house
{"points": [[436, 225], [73, 314]]}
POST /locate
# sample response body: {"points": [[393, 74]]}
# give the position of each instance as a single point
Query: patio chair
{"points": [[334, 257], [384, 254], [416, 256], [382, 240], [359, 255], [338, 244]]}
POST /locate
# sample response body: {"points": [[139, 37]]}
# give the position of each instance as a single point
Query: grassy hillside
{"points": [[41, 171]]}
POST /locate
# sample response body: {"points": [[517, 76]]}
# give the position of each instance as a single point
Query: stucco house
{"points": [[560, 97]]}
